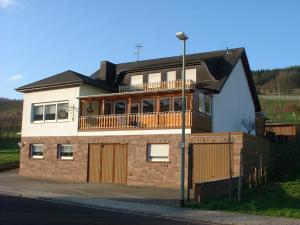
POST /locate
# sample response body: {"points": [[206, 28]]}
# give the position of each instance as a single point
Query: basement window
{"points": [[65, 152], [36, 151], [158, 152]]}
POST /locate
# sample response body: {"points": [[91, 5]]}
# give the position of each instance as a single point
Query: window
{"points": [[120, 107], [164, 105], [204, 104], [65, 152], [53, 111], [178, 104], [158, 152], [134, 107], [38, 113], [201, 102], [190, 74], [154, 78], [148, 105], [136, 80], [62, 111], [208, 104], [36, 151], [107, 108], [171, 75], [50, 112]]}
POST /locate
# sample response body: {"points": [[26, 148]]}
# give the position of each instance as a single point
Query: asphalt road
{"points": [[22, 211]]}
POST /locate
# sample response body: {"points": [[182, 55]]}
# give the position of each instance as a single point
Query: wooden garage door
{"points": [[108, 163], [94, 163], [211, 161]]}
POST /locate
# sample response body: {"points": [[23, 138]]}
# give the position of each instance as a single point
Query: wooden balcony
{"points": [[131, 121], [156, 86]]}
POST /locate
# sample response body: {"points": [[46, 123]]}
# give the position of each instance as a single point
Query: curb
{"points": [[9, 166]]}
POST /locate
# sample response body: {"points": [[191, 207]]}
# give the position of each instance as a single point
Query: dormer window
{"points": [[136, 80], [171, 75], [190, 74], [154, 78]]}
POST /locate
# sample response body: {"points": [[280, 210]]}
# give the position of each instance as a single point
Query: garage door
{"points": [[108, 163], [211, 161]]}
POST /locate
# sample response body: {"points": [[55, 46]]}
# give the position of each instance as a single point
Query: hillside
{"points": [[286, 81]]}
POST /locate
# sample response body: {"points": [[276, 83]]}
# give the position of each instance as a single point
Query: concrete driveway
{"points": [[148, 195]]}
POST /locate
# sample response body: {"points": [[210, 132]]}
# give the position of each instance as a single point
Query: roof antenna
{"points": [[227, 51], [138, 49]]}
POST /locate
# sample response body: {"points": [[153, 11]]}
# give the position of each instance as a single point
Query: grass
{"points": [[286, 110], [9, 151], [279, 197]]}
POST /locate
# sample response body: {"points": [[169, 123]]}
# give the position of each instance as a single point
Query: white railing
{"points": [[156, 86]]}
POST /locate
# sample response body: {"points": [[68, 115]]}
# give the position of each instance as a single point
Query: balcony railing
{"points": [[156, 86], [139, 120]]}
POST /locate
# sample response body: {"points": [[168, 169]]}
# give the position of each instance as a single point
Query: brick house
{"points": [[122, 124]]}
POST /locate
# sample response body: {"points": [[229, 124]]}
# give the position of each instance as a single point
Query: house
{"points": [[122, 124]]}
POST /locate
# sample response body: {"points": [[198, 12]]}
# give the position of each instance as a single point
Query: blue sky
{"points": [[39, 38]]}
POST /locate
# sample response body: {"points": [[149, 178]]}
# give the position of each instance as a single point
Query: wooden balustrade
{"points": [[138, 120], [156, 86]]}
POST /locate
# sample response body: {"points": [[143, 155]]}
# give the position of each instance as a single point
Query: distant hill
{"points": [[10, 117], [286, 80]]}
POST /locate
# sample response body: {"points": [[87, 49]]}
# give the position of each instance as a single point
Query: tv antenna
{"points": [[138, 50]]}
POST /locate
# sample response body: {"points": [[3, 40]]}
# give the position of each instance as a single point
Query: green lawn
{"points": [[280, 197], [9, 151]]}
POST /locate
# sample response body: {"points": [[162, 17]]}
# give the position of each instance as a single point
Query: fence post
{"points": [[241, 175], [230, 172]]}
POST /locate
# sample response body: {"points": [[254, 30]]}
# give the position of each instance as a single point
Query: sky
{"points": [[40, 38]]}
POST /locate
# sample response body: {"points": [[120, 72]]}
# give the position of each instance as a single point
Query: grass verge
{"points": [[9, 151]]}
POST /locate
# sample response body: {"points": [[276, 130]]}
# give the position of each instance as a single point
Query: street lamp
{"points": [[183, 37]]}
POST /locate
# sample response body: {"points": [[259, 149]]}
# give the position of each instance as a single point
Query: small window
{"points": [[135, 107], [201, 102], [171, 75], [38, 113], [120, 107], [178, 104], [36, 151], [154, 78], [164, 105], [207, 104], [50, 112], [148, 105], [158, 152], [62, 111], [136, 80], [190, 74], [65, 152], [107, 108]]}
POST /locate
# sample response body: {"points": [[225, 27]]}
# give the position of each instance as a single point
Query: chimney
{"points": [[107, 72]]}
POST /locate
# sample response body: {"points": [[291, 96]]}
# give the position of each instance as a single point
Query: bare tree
{"points": [[248, 124]]}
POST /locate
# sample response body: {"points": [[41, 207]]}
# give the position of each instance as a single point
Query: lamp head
{"points": [[181, 36]]}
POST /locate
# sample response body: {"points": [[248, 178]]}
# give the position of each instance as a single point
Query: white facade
{"points": [[233, 103], [67, 127]]}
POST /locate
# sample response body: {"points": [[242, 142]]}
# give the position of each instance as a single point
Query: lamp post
{"points": [[183, 37]]}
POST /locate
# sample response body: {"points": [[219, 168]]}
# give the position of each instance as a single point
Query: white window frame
{"points": [[44, 112], [193, 73], [170, 74], [140, 77], [165, 153], [64, 157], [156, 76], [36, 156]]}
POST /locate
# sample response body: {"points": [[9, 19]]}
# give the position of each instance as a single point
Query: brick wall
{"points": [[139, 172]]}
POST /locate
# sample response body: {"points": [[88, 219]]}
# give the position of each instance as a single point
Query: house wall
{"points": [[233, 103], [58, 128], [140, 171]]}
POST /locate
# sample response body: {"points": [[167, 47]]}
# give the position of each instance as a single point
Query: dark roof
{"points": [[216, 67], [68, 77]]}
